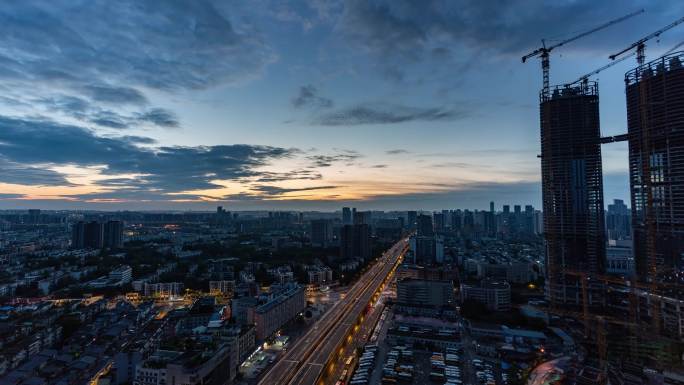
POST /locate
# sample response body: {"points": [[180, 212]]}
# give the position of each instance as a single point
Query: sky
{"points": [[305, 105]]}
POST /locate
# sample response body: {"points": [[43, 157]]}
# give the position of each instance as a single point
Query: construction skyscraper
{"points": [[655, 119], [572, 188]]}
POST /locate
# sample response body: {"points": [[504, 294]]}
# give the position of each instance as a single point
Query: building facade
{"points": [[285, 303], [572, 187], [655, 106], [494, 294]]}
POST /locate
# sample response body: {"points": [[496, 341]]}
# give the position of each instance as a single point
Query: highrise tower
{"points": [[655, 120], [572, 187]]}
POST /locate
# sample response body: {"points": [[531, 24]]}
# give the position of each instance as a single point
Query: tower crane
{"points": [[584, 79], [544, 51], [644, 137], [640, 45]]}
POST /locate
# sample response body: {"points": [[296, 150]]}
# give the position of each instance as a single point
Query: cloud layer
{"points": [[28, 146], [387, 114], [57, 57]]}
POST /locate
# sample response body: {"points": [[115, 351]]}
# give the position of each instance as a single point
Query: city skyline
{"points": [[298, 106]]}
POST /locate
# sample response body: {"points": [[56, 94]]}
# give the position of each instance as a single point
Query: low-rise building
{"points": [[211, 365], [515, 272], [163, 289], [620, 258], [122, 274], [496, 295], [223, 287], [425, 292], [319, 275]]}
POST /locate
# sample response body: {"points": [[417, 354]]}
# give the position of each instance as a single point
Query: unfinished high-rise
{"points": [[655, 119], [572, 188]]}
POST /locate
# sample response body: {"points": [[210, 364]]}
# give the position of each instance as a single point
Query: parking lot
{"points": [[403, 363]]}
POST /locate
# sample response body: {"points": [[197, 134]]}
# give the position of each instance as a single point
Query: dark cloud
{"points": [[329, 160], [159, 117], [308, 97], [115, 95], [277, 191], [89, 112], [67, 104], [409, 28], [379, 166], [99, 56], [401, 32], [17, 173], [298, 174], [397, 151], [164, 169], [386, 114], [162, 45], [108, 119], [137, 139]]}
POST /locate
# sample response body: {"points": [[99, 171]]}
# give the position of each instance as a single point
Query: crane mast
{"points": [[640, 44]]}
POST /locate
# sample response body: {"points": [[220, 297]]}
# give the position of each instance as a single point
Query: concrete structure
{"points": [[427, 250], [113, 234], [122, 274], [572, 186], [321, 232], [618, 221], [285, 303], [346, 216], [655, 103], [411, 219], [96, 235], [243, 309], [319, 275], [620, 258], [355, 241], [496, 295], [433, 273], [425, 292], [424, 226]]}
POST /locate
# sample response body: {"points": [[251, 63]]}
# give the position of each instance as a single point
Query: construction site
{"points": [[630, 322]]}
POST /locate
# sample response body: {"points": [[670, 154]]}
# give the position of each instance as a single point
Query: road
{"points": [[307, 360]]}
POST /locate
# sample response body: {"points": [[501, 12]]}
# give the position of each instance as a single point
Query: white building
{"points": [[319, 275], [122, 274], [620, 258], [163, 290]]}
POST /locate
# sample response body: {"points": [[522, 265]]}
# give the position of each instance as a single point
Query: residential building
{"points": [[321, 232], [618, 221], [284, 303], [346, 216], [355, 241], [122, 274]]}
